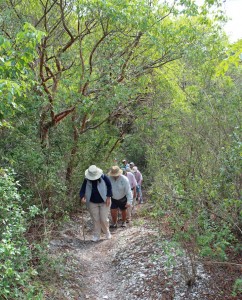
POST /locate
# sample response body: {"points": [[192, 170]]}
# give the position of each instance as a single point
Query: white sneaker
{"points": [[108, 236], [95, 238]]}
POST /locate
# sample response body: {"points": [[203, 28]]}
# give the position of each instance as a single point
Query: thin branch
{"points": [[45, 13], [114, 146], [13, 7], [4, 30], [63, 114], [63, 21], [222, 263], [90, 61], [225, 219], [41, 73], [82, 64], [135, 44], [95, 126]]}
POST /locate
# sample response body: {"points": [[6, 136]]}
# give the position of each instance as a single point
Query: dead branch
{"points": [[221, 263]]}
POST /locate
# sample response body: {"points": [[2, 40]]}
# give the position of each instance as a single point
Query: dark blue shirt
{"points": [[95, 195]]}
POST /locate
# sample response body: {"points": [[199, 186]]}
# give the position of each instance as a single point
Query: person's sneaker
{"points": [[113, 226], [95, 238], [108, 236], [123, 224]]}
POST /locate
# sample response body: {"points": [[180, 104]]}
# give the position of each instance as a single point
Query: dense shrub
{"points": [[15, 255]]}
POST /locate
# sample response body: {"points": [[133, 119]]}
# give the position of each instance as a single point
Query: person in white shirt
{"points": [[122, 195]]}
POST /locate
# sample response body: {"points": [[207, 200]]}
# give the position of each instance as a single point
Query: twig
{"points": [[221, 263]]}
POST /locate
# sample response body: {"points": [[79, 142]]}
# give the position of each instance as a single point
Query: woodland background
{"points": [[90, 81]]}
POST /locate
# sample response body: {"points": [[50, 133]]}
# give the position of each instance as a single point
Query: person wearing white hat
{"points": [[122, 195], [96, 192]]}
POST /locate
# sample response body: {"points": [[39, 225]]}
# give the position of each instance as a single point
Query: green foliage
{"points": [[15, 72], [237, 288], [16, 271], [197, 150], [147, 80]]}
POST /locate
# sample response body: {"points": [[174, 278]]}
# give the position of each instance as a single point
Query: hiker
{"points": [[122, 195], [139, 178], [96, 192], [133, 183], [131, 165], [125, 164]]}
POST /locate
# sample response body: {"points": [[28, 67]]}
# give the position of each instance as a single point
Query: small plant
{"points": [[138, 222], [237, 287]]}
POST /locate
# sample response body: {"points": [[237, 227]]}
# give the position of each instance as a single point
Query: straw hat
{"points": [[93, 173], [115, 171]]}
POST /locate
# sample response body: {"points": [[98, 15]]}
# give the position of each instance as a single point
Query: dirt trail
{"points": [[90, 271], [99, 280], [134, 264]]}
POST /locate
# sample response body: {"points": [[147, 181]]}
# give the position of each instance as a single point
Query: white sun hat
{"points": [[93, 173]]}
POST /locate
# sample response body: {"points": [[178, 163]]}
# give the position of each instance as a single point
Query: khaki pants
{"points": [[99, 213]]}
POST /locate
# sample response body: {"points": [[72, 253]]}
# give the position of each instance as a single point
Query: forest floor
{"points": [[139, 262]]}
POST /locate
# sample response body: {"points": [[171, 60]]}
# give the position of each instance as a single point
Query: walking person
{"points": [[96, 192], [125, 164], [133, 183], [139, 178], [122, 196], [131, 165]]}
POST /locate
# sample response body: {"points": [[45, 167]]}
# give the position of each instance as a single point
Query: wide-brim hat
{"points": [[115, 171], [93, 173]]}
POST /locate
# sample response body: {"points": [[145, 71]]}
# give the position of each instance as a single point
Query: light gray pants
{"points": [[99, 213]]}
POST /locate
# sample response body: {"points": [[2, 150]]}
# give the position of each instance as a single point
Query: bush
{"points": [[16, 272]]}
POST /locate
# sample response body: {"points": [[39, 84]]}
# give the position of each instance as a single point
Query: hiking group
{"points": [[118, 191]]}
